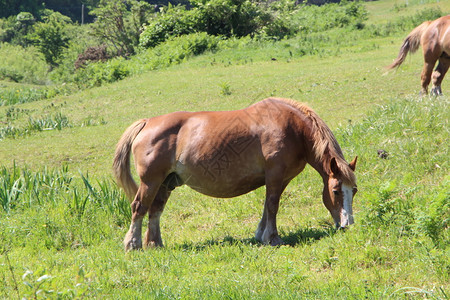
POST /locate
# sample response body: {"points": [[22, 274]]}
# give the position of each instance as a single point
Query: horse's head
{"points": [[338, 192]]}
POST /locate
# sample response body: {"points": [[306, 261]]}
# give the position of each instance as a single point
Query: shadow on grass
{"points": [[300, 237]]}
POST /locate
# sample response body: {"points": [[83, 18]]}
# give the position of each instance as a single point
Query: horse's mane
{"points": [[324, 140]]}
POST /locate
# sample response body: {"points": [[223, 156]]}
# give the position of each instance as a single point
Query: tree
{"points": [[13, 7], [50, 37], [119, 26]]}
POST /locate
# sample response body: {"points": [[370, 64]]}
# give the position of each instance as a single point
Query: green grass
{"points": [[62, 218], [354, 84]]}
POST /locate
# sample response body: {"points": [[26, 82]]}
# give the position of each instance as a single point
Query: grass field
{"points": [[63, 218]]}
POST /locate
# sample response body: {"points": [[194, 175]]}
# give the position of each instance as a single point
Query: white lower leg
{"points": [[153, 233], [133, 239]]}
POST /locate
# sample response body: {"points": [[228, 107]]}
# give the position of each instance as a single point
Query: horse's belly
{"points": [[221, 180]]}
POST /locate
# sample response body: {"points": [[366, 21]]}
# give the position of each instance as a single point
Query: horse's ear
{"points": [[352, 165], [334, 167]]}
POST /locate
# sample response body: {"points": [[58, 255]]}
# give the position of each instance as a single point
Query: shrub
{"points": [[118, 26], [232, 17], [172, 21], [173, 51], [321, 18], [20, 64], [92, 54], [95, 74], [50, 37], [215, 17], [10, 74], [281, 26], [15, 28]]}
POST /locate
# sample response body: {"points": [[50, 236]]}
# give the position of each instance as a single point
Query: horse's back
{"points": [[221, 153]]}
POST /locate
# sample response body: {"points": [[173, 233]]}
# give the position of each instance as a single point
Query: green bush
{"points": [[172, 21], [434, 221], [215, 17], [14, 29], [50, 37], [320, 18], [98, 73], [173, 51], [20, 64], [119, 22], [282, 26], [232, 17], [8, 73]]}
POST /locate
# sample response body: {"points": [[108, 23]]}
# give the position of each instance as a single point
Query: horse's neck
{"points": [[320, 165]]}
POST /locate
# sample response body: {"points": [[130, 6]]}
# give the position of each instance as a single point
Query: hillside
{"points": [[63, 219]]}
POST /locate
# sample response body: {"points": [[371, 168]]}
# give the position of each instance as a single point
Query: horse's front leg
{"points": [[270, 234], [261, 226], [267, 231]]}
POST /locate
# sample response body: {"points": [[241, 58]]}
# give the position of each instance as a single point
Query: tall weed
{"points": [[21, 188], [49, 122]]}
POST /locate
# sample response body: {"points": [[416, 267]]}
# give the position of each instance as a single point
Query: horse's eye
{"points": [[336, 192]]}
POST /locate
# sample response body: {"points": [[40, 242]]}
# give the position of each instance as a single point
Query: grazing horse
{"points": [[434, 36], [229, 153]]}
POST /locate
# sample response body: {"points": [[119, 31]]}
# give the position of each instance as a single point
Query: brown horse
{"points": [[227, 154], [434, 36]]}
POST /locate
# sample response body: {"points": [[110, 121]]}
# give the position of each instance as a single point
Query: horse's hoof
{"points": [[276, 241], [436, 91], [133, 244], [153, 245]]}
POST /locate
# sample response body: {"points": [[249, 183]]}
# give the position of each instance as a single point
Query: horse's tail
{"points": [[121, 164], [410, 44]]}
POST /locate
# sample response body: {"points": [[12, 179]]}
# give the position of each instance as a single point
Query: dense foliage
{"points": [[83, 56], [50, 37], [120, 28]]}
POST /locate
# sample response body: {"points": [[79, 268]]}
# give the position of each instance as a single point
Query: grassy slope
{"points": [[353, 78], [207, 255], [353, 81]]}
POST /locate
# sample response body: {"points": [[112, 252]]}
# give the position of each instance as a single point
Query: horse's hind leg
{"points": [[438, 76], [152, 237], [139, 207], [426, 76]]}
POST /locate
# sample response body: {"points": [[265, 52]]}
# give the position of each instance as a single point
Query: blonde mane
{"points": [[324, 139]]}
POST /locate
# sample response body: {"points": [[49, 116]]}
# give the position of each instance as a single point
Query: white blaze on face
{"points": [[347, 211]]}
